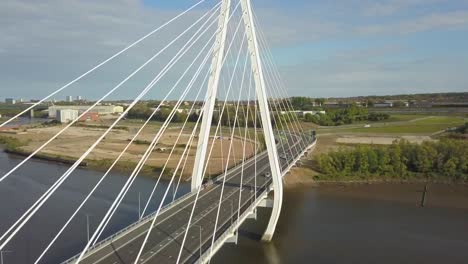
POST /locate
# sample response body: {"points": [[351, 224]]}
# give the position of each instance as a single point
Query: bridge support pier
{"points": [[233, 239]]}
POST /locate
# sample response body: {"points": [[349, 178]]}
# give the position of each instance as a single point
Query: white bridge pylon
{"points": [[260, 88]]}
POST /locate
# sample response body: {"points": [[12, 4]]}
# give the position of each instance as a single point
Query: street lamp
{"points": [[139, 205], [1, 254], [232, 210], [87, 225]]}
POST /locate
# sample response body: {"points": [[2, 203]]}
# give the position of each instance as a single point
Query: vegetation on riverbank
{"points": [[101, 126], [446, 159], [12, 144]]}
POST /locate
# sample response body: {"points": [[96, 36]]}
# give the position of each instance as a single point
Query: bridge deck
{"points": [[166, 238]]}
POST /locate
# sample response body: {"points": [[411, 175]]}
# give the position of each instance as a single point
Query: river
{"points": [[334, 224], [27, 184], [360, 224]]}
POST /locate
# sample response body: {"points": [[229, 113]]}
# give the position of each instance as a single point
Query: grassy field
{"points": [[402, 118], [425, 125]]}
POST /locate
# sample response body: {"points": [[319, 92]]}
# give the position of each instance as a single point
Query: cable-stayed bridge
{"points": [[225, 81]]}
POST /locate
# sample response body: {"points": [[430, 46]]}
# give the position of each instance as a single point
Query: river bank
{"points": [[72, 143]]}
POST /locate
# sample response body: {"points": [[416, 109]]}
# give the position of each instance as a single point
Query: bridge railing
{"points": [[260, 191], [138, 222]]}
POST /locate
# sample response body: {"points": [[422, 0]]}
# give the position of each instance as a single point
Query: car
{"points": [[267, 174]]}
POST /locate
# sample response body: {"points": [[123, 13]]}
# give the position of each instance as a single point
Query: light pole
{"points": [[232, 211], [139, 205], [87, 226], [1, 254], [200, 247]]}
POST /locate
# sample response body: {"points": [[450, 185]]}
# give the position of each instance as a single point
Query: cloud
{"points": [[47, 43], [44, 44], [391, 7], [437, 21], [281, 30]]}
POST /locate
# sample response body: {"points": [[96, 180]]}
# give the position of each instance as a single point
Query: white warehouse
{"points": [[66, 115], [100, 109]]}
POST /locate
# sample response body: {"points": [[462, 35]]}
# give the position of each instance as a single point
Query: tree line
{"points": [[337, 117], [244, 113], [445, 159]]}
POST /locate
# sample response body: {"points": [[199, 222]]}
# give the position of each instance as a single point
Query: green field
{"points": [[402, 124], [434, 120], [402, 118], [424, 126]]}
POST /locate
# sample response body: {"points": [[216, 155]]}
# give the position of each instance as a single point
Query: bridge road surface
{"points": [[167, 235]]}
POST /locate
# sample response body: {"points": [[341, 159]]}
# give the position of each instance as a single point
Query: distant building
{"points": [[79, 98], [384, 104], [90, 117], [100, 109], [10, 101], [69, 99], [336, 104], [66, 115]]}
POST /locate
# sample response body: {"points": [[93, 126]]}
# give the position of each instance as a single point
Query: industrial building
{"points": [[10, 101], [66, 115], [100, 109]]}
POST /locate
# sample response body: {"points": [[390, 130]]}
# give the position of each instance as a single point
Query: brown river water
{"points": [[381, 223]]}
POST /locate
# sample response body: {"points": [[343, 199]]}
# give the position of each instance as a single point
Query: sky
{"points": [[322, 48]]}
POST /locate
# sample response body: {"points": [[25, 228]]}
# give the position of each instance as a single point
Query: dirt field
{"points": [[76, 140]]}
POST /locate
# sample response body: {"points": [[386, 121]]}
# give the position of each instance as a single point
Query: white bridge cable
{"points": [[105, 96], [246, 117], [229, 73], [209, 153], [189, 143], [230, 145], [32, 210], [278, 119], [256, 144], [186, 158], [279, 123], [205, 170], [223, 89], [140, 164], [101, 64], [110, 168], [294, 122], [187, 147], [172, 179], [162, 130], [192, 136], [185, 123], [277, 78], [282, 123]]}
